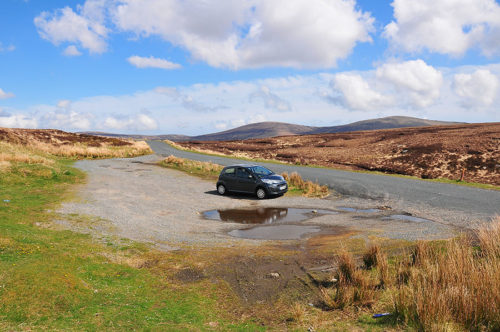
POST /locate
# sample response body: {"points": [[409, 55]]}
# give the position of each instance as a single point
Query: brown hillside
{"points": [[60, 143], [427, 152]]}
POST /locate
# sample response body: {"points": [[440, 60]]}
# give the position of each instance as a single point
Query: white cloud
{"points": [[6, 95], [17, 121], [255, 33], [72, 50], [64, 104], [187, 100], [357, 93], [135, 123], [68, 120], [8, 48], [270, 99], [152, 62], [222, 33], [86, 26], [478, 88], [206, 108], [421, 81], [445, 26]]}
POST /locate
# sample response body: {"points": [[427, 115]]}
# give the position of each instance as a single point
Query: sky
{"points": [[200, 66]]}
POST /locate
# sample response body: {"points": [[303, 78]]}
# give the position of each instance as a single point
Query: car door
{"points": [[245, 181], [229, 178]]}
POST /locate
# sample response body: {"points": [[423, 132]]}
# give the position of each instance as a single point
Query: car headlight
{"points": [[269, 181]]}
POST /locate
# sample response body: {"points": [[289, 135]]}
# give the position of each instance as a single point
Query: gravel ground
{"points": [[136, 199]]}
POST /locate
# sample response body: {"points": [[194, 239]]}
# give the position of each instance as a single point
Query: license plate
{"points": [[282, 187]]}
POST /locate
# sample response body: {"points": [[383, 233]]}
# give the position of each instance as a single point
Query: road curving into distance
{"points": [[480, 203]]}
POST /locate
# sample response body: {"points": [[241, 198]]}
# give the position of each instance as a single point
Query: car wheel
{"points": [[221, 189], [261, 193]]}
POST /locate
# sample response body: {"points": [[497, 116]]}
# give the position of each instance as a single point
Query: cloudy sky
{"points": [[199, 66]]}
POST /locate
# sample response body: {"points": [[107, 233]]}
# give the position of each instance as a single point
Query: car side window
{"points": [[242, 173], [229, 171]]}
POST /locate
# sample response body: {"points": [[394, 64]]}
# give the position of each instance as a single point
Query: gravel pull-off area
{"points": [[136, 199]]}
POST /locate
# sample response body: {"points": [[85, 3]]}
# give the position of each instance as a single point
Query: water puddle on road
{"points": [[350, 209], [263, 215], [270, 223], [405, 217]]}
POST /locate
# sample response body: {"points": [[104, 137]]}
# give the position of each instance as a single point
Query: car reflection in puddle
{"points": [[270, 223], [263, 215]]}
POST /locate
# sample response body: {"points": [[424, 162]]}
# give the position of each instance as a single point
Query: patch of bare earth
{"points": [[471, 151]]}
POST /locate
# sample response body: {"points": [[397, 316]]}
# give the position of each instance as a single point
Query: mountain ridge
{"points": [[272, 129]]}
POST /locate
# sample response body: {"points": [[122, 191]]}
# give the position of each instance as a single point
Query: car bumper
{"points": [[277, 189]]}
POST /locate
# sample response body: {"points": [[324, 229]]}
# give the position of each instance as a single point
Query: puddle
{"points": [[263, 215], [406, 218], [350, 209], [277, 232]]}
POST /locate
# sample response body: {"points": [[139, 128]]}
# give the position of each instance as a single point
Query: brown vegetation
{"points": [[36, 146], [450, 286], [426, 152], [202, 169], [309, 188]]}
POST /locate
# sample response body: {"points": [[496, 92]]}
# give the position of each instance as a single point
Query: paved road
{"points": [[477, 203]]}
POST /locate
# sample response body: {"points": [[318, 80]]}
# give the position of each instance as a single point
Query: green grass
{"points": [[61, 280], [278, 162]]}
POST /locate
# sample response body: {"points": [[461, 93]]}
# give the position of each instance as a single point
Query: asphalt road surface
{"points": [[477, 204]]}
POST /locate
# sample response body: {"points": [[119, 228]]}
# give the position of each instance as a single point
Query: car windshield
{"points": [[261, 171]]}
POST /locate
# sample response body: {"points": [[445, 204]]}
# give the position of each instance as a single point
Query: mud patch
{"points": [[278, 232], [266, 279], [190, 275]]}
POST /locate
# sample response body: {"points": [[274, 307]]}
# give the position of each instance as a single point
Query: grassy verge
{"points": [[211, 171], [279, 162], [59, 280]]}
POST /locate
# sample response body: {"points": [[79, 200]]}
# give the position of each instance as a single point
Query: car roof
{"points": [[241, 165]]}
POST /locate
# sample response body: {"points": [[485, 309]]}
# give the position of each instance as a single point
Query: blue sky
{"points": [[193, 67]]}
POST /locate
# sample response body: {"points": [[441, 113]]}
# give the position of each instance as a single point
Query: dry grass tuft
{"points": [[489, 239], [454, 286], [451, 286], [298, 312], [309, 188], [204, 170], [353, 287], [374, 257]]}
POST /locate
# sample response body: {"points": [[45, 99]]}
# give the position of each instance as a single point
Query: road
{"points": [[477, 204]]}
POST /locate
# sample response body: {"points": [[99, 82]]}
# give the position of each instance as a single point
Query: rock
{"points": [[213, 324], [274, 275]]}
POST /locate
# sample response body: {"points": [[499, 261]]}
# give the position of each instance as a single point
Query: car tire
{"points": [[221, 189], [261, 193]]}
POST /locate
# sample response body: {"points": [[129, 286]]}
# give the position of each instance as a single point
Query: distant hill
{"points": [[256, 130], [381, 123], [172, 137], [273, 129]]}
